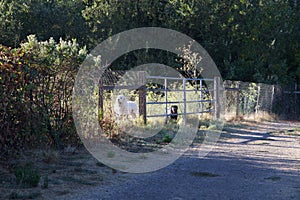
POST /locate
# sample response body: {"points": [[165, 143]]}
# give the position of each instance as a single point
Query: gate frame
{"points": [[142, 91]]}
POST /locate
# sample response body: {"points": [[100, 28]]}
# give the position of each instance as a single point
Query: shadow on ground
{"points": [[249, 162]]}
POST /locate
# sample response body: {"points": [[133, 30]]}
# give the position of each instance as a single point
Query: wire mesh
{"points": [[247, 98]]}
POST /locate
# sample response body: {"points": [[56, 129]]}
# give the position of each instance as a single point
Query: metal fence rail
{"points": [[170, 102], [207, 95], [200, 84]]}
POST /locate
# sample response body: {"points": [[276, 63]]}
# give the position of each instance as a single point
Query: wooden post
{"points": [[201, 98], [184, 101], [166, 95], [272, 98], [142, 96], [217, 97], [257, 101], [237, 102], [100, 102]]}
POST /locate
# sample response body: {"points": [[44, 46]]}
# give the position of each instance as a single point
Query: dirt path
{"points": [[251, 161]]}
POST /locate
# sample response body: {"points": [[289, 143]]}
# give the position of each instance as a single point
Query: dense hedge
{"points": [[35, 93]]}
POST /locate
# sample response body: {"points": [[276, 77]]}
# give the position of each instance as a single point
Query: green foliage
{"points": [[253, 41], [27, 176], [167, 138], [14, 108], [11, 18], [36, 86], [55, 18], [249, 41]]}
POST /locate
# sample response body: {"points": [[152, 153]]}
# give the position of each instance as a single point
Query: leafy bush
{"points": [[167, 138], [36, 83], [27, 176]]}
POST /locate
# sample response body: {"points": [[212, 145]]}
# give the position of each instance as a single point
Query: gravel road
{"points": [[253, 161]]}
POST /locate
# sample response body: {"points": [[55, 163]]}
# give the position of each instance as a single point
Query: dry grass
{"points": [[260, 116]]}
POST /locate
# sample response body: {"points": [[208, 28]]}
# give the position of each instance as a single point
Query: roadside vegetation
{"points": [[44, 42]]}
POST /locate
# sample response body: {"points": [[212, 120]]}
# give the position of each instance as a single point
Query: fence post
{"points": [[142, 95], [184, 100], [201, 98], [237, 101], [257, 101], [166, 95], [100, 95], [272, 98], [217, 97]]}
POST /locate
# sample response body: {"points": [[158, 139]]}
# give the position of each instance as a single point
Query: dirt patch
{"points": [[60, 173]]}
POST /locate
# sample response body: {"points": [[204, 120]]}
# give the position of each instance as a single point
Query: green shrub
{"points": [[167, 138], [27, 176], [36, 83]]}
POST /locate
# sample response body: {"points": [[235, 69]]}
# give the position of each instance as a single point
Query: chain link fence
{"points": [[244, 98]]}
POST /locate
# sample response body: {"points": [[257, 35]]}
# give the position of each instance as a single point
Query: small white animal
{"points": [[124, 108]]}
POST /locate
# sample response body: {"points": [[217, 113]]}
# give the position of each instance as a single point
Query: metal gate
{"points": [[200, 86]]}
